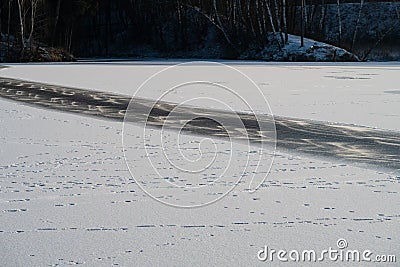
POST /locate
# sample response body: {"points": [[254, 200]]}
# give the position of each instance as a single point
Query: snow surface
{"points": [[67, 197], [356, 93]]}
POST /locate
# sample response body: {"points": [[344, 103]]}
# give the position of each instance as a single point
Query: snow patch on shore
{"points": [[293, 51]]}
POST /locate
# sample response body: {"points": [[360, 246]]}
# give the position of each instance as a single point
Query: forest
{"points": [[227, 28]]}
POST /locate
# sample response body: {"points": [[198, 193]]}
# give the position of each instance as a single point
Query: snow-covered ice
{"points": [[355, 93], [67, 197]]}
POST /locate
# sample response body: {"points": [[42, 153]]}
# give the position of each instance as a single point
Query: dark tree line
{"points": [[93, 27]]}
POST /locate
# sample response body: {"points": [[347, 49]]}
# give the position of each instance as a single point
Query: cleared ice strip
{"points": [[348, 142]]}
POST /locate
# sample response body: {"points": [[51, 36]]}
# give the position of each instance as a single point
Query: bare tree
{"points": [[21, 13], [259, 23], [249, 18], [339, 23], [216, 23], [34, 4], [8, 26], [220, 24], [323, 18], [357, 24], [272, 22], [56, 17], [285, 20], [278, 22], [262, 14], [305, 15], [302, 22]]}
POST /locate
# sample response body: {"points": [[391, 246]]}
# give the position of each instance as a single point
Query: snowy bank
{"points": [[312, 51], [11, 51]]}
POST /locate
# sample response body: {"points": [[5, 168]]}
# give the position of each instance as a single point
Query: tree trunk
{"points": [[272, 23], [8, 27], [33, 14], [250, 20], [305, 15], [278, 22], [22, 24], [285, 29], [302, 23], [323, 18], [222, 27], [57, 15], [357, 24], [260, 28], [339, 23], [262, 14], [1, 10]]}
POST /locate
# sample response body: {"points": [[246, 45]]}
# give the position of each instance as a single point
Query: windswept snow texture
{"points": [[66, 197]]}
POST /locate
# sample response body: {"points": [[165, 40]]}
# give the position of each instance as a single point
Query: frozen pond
{"points": [[67, 196]]}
